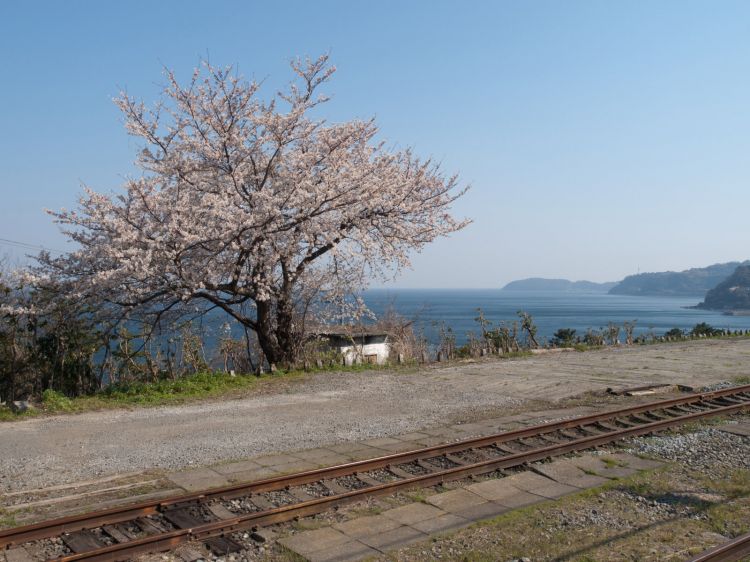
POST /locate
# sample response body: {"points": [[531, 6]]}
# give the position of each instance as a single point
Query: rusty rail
{"points": [[732, 551]]}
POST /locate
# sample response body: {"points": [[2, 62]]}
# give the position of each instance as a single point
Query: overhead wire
{"points": [[27, 246]]}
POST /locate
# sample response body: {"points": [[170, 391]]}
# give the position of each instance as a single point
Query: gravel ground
{"points": [[329, 408], [326, 409], [708, 450]]}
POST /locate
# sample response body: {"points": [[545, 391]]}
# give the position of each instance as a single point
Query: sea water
{"points": [[551, 310]]}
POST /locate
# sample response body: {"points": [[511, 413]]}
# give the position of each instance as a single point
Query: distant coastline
{"points": [[694, 282], [559, 285]]}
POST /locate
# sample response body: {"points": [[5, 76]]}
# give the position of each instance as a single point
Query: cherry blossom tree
{"points": [[250, 206]]}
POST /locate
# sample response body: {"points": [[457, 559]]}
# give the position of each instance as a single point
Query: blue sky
{"points": [[599, 138]]}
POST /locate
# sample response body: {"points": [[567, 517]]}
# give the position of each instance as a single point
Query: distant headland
{"points": [[563, 285], [691, 282], [731, 295], [696, 282]]}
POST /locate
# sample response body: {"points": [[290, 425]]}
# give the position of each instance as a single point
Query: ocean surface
{"points": [[550, 310]]}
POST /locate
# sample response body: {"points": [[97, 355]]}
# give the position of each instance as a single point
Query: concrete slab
{"points": [[632, 461], [347, 552], [413, 436], [366, 453], [503, 492], [598, 465], [430, 441], [198, 479], [465, 431], [313, 454], [413, 513], [254, 474], [309, 542], [527, 481], [398, 537], [366, 526], [736, 429], [295, 466], [472, 428], [540, 485], [379, 442], [485, 510], [440, 432], [566, 472], [401, 446], [555, 490], [332, 459], [18, 555], [519, 498], [273, 460], [441, 524], [455, 500], [241, 466]]}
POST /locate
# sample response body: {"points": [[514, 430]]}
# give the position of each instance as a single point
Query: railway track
{"points": [[212, 516]]}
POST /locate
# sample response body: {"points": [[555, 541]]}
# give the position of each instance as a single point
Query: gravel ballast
{"points": [[708, 450]]}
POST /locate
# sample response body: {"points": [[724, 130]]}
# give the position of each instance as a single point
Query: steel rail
{"points": [[73, 523], [732, 551]]}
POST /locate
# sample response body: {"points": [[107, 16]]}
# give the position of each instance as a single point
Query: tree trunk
{"points": [[285, 332], [275, 335]]}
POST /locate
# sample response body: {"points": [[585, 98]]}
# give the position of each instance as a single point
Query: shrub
{"points": [[564, 337], [703, 329], [56, 401], [675, 333]]}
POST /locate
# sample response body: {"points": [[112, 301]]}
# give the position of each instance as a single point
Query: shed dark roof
{"points": [[348, 331]]}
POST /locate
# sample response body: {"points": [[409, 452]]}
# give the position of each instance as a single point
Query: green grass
{"points": [[158, 393], [7, 520], [726, 520], [737, 485], [417, 496], [7, 415], [56, 401], [178, 391], [611, 463]]}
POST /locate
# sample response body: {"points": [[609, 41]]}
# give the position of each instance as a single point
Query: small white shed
{"points": [[357, 344]]}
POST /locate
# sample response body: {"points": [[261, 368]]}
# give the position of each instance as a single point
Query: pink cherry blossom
{"points": [[251, 206]]}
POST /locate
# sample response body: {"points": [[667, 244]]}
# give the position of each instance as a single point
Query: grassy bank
{"points": [[158, 393], [190, 388]]}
